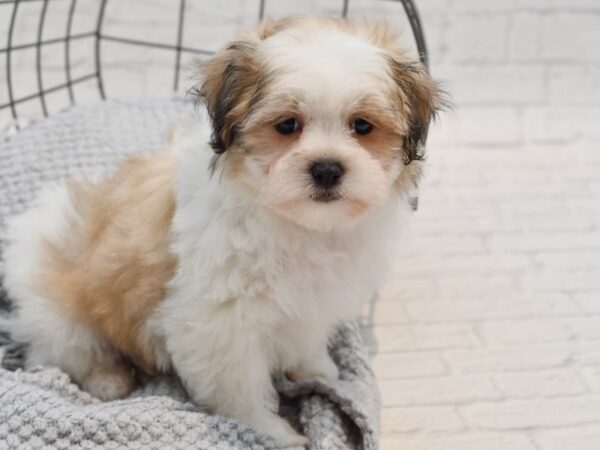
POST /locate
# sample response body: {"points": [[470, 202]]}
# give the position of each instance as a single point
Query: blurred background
{"points": [[487, 334]]}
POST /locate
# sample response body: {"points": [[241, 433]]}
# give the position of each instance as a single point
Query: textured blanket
{"points": [[42, 408]]}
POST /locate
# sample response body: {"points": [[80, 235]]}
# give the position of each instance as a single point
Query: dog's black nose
{"points": [[327, 173]]}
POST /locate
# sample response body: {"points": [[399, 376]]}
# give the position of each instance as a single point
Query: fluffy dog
{"points": [[230, 264]]}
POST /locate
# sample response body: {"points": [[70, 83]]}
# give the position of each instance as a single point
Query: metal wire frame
{"points": [[99, 36]]}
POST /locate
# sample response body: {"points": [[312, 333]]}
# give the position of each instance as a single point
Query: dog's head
{"points": [[320, 119]]}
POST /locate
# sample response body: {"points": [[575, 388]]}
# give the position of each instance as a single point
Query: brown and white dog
{"points": [[228, 266]]}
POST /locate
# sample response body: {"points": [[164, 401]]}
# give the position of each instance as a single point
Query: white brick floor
{"points": [[487, 331], [487, 334]]}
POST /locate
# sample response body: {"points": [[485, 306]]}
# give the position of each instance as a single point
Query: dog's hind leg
{"points": [[55, 339], [53, 334]]}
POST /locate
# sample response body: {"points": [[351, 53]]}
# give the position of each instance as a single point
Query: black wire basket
{"points": [[98, 41]]}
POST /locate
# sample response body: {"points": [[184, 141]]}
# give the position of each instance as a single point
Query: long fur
{"points": [[229, 277]]}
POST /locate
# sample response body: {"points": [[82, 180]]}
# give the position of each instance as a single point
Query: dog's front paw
{"points": [[292, 439], [280, 430], [320, 367]]}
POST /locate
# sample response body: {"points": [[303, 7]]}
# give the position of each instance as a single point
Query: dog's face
{"points": [[321, 120]]}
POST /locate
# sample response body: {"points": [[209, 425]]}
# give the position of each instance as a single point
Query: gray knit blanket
{"points": [[42, 408]]}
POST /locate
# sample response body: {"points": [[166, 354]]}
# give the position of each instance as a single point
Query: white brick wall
{"points": [[487, 334], [562, 36], [499, 278]]}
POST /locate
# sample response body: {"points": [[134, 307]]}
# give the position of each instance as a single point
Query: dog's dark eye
{"points": [[288, 126], [361, 126]]}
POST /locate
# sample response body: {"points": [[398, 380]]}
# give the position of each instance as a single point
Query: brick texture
{"points": [[499, 274]]}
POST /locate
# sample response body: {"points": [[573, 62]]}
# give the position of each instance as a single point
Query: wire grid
{"points": [[41, 90]]}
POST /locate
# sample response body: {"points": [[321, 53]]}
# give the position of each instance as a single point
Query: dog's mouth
{"points": [[325, 196]]}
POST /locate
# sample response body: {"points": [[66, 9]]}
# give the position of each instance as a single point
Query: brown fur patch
{"points": [[233, 80], [111, 269], [233, 164], [385, 141], [417, 96], [384, 145], [269, 26], [420, 98], [232, 83], [264, 138]]}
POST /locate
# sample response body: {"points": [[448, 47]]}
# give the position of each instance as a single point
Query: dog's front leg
{"points": [[228, 372], [317, 365]]}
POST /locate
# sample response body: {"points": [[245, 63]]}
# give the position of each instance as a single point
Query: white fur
{"points": [[257, 290], [256, 293]]}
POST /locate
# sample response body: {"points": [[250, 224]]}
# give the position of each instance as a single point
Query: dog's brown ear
{"points": [[420, 99], [232, 81]]}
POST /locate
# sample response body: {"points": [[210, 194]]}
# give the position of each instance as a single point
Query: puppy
{"points": [[230, 264]]}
